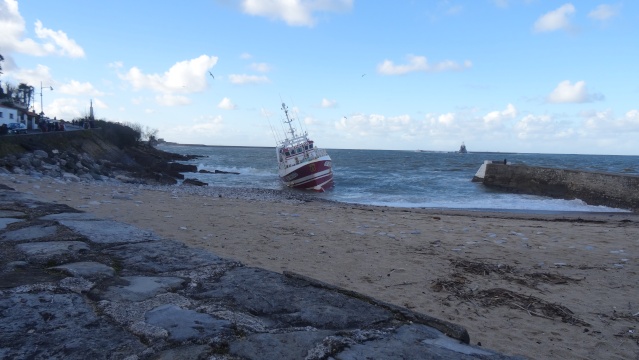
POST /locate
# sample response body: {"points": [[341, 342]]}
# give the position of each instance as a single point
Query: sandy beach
{"points": [[545, 286]]}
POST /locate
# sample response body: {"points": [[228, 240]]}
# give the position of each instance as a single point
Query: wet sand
{"points": [[545, 286]]}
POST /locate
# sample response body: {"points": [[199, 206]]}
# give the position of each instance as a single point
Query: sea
{"points": [[408, 179]]}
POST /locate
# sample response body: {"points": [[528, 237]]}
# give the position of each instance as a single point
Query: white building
{"points": [[8, 115]]}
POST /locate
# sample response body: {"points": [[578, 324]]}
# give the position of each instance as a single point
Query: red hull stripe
{"points": [[315, 175]]}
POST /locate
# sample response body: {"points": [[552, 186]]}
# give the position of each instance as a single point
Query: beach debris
{"points": [[459, 287], [532, 305], [480, 268]]}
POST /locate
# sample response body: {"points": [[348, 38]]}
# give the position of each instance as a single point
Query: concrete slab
{"points": [[86, 269], [6, 221], [109, 232], [29, 233], [51, 249], [184, 324], [139, 288]]}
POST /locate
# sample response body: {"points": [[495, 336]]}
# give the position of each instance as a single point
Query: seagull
{"points": [[210, 73], [363, 75]]}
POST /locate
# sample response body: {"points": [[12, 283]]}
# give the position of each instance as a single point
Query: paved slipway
{"points": [[76, 287]]}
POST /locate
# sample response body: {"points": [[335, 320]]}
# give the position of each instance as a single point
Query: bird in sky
{"points": [[363, 75], [210, 73]]}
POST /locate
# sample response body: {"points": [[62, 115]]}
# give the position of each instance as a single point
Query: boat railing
{"points": [[301, 158]]}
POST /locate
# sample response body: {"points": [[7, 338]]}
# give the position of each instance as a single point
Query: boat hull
{"points": [[316, 175]]}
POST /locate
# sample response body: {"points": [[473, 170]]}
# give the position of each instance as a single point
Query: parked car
{"points": [[17, 128]]}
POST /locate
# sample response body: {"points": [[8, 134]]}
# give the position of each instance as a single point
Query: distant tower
{"points": [[91, 110]]}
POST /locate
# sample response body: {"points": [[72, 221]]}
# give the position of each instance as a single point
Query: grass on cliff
{"points": [[102, 138]]}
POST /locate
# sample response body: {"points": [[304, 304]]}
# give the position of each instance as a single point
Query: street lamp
{"points": [[42, 107]]}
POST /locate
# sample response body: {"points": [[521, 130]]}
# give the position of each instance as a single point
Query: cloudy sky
{"points": [[500, 75]]}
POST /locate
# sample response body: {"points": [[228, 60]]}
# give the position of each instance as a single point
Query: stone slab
{"points": [[108, 231], [29, 233], [86, 269]]}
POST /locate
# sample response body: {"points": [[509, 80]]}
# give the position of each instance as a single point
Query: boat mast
{"points": [[288, 121]]}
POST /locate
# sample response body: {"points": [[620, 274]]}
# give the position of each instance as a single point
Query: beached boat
{"points": [[301, 164], [462, 149]]}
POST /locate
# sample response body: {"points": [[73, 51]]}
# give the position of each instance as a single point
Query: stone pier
{"points": [[594, 188]]}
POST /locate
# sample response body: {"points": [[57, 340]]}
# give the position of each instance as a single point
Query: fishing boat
{"points": [[462, 149], [301, 164]]}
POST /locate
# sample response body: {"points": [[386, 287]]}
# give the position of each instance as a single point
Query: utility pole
{"points": [[42, 107]]}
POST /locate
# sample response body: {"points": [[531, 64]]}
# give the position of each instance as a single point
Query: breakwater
{"points": [[594, 188]]}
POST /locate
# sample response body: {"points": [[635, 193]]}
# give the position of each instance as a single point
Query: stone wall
{"points": [[594, 188]]}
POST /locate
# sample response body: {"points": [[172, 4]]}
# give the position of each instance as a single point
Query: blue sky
{"points": [[500, 75]]}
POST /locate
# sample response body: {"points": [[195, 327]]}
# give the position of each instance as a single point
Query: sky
{"points": [[531, 76]]}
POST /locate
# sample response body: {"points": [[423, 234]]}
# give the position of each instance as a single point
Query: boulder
{"points": [[194, 182]]}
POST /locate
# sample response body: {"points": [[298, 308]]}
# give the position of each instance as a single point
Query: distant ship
{"points": [[462, 149]]}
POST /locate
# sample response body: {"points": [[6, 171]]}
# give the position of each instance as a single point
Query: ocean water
{"points": [[409, 179]]}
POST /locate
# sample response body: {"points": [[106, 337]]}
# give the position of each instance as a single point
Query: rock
{"points": [[194, 182], [40, 154], [70, 177], [226, 172]]}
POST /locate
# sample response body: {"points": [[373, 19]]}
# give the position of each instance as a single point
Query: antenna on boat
{"points": [[299, 123], [288, 120], [271, 126]]}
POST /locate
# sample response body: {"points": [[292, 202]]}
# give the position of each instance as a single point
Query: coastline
{"points": [[440, 262]]}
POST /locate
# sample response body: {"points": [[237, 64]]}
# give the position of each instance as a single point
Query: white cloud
{"points": [[50, 42], [375, 125], [261, 67], [420, 63], [496, 119], [207, 127], [61, 45], [242, 79], [99, 104], [226, 104], [245, 56], [187, 76], [601, 122], [65, 109], [32, 76], [566, 92], [540, 127], [77, 88], [115, 65], [501, 3], [328, 103], [294, 12], [555, 20], [604, 12], [172, 100]]}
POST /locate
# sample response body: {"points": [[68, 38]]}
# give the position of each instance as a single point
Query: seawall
{"points": [[594, 188]]}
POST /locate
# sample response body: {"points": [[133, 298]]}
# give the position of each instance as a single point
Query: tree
{"points": [[24, 94], [9, 92]]}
